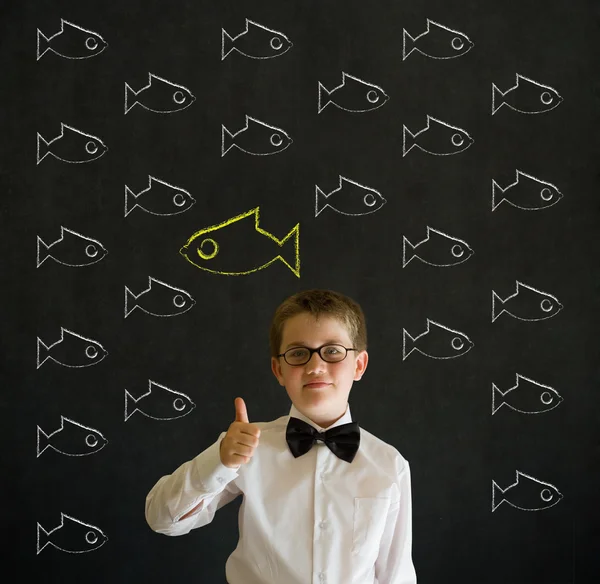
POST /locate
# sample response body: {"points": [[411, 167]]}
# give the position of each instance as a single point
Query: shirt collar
{"points": [[345, 419]]}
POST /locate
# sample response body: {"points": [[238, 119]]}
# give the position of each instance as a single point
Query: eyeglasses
{"points": [[302, 355]]}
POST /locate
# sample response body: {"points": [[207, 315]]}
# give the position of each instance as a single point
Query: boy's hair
{"points": [[318, 303]]}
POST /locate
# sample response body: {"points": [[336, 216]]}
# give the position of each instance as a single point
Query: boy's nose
{"points": [[315, 363]]}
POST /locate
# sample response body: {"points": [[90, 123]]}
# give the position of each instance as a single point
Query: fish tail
{"points": [[407, 42], [294, 238], [227, 44], [43, 353], [130, 299], [324, 98], [496, 393], [130, 197], [42, 441], [497, 99], [42, 538], [407, 246], [407, 342], [43, 44], [497, 492], [408, 139], [496, 187], [42, 148], [320, 200], [495, 297], [44, 249], [130, 97], [227, 140], [129, 399]]}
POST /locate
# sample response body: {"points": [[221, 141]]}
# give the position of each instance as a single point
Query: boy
{"points": [[325, 501]]}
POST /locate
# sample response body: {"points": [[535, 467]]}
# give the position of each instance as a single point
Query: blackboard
{"points": [[478, 129]]}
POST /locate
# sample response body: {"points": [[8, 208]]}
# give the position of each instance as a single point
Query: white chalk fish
{"points": [[437, 341], [527, 303], [159, 402], [70, 42], [71, 145], [527, 192], [159, 96], [350, 198], [352, 94], [438, 42], [71, 350], [437, 137], [255, 138], [72, 439], [159, 198], [526, 493], [71, 536], [159, 299], [526, 396], [437, 249], [526, 96], [256, 41], [71, 249]]}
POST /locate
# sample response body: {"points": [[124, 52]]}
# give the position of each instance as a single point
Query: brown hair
{"points": [[317, 303]]}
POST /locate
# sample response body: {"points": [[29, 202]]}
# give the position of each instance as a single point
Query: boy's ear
{"points": [[361, 365], [276, 368]]}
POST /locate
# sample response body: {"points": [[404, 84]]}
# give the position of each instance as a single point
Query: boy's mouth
{"points": [[316, 384]]}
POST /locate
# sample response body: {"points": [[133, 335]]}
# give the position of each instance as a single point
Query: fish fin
{"points": [[130, 96], [496, 491], [496, 393], [129, 397], [43, 44], [323, 94], [294, 238], [129, 295], [130, 197], [227, 44], [496, 95], [407, 138], [411, 248], [410, 44], [41, 246], [227, 140], [320, 200], [42, 441], [42, 351], [42, 148], [494, 298], [42, 538], [496, 187], [410, 344]]}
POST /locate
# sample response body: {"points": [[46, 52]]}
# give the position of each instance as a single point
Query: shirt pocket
{"points": [[370, 515]]}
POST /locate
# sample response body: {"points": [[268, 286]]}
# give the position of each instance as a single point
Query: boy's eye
{"points": [[298, 353], [331, 350]]}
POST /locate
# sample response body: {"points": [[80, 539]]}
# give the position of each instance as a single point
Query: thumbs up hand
{"points": [[238, 445]]}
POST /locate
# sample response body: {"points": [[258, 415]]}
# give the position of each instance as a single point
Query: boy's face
{"points": [[318, 389]]}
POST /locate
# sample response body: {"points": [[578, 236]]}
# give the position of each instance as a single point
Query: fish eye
{"points": [[179, 301], [91, 250], [91, 351], [178, 404], [372, 96], [91, 147], [457, 250], [91, 537], [457, 43], [178, 199], [546, 98], [457, 140], [276, 43], [179, 97], [91, 43], [276, 140], [208, 255], [546, 495], [546, 305], [91, 440], [457, 343], [546, 194], [546, 397], [369, 199]]}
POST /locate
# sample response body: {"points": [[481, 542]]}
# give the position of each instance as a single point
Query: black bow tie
{"points": [[342, 440]]}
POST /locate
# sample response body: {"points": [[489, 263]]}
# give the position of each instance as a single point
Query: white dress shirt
{"points": [[315, 519]]}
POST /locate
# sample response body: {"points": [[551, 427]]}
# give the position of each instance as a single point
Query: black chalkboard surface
{"points": [[171, 171]]}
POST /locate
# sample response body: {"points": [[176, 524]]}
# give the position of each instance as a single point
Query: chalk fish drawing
{"points": [[526, 96], [350, 198], [438, 42], [437, 342], [437, 249], [352, 94], [526, 493], [71, 145], [71, 350], [159, 403], [526, 396], [527, 192], [255, 138], [159, 299], [71, 536], [527, 303], [159, 198], [437, 137], [159, 96], [71, 249], [256, 41], [228, 247], [70, 42], [72, 439]]}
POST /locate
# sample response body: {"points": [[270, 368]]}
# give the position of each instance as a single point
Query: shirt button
{"points": [[322, 576], [323, 524]]}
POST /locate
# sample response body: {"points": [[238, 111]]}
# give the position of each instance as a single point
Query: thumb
{"points": [[241, 414]]}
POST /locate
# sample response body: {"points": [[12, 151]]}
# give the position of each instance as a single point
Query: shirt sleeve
{"points": [[394, 563], [204, 479]]}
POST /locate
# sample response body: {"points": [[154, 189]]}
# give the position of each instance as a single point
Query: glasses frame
{"points": [[317, 350]]}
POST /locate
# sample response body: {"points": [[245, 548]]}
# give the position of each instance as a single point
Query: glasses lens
{"points": [[333, 353], [297, 356]]}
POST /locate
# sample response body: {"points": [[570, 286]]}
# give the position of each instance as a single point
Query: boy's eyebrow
{"points": [[332, 341]]}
